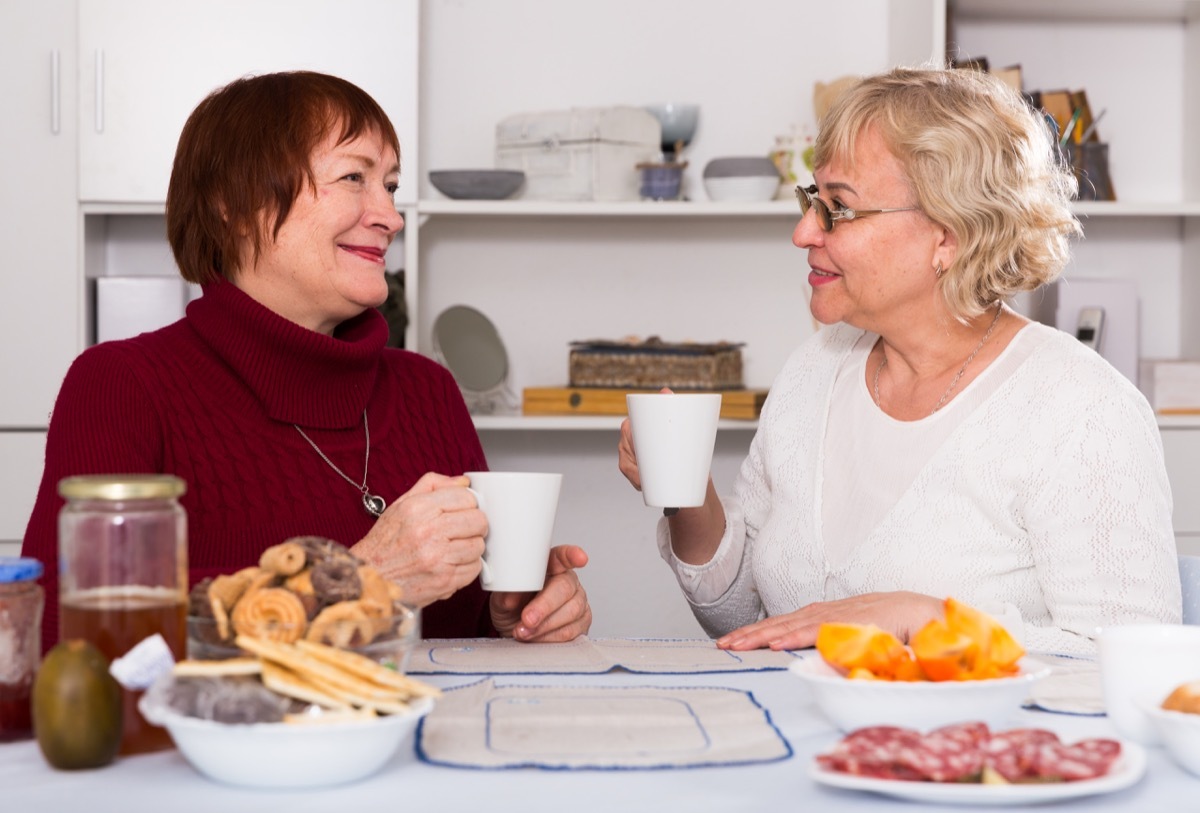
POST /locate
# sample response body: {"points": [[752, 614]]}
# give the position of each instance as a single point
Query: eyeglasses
{"points": [[807, 196]]}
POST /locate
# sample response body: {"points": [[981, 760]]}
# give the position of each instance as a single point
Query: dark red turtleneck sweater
{"points": [[213, 399]]}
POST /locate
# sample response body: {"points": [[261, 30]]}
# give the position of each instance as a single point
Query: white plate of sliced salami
{"points": [[1030, 765]]}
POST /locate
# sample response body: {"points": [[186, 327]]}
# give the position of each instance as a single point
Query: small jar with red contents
{"points": [[21, 602]]}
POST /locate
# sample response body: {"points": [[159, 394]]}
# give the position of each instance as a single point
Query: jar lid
{"points": [[121, 487], [19, 569]]}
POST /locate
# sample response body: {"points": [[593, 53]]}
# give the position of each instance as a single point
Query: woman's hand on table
{"points": [[430, 540], [559, 612], [901, 613]]}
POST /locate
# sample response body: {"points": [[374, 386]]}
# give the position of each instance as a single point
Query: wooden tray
{"points": [[737, 404]]}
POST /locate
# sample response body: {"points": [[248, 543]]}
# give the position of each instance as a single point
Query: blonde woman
{"points": [[930, 441]]}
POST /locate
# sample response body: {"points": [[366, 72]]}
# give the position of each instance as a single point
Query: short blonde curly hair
{"points": [[981, 162]]}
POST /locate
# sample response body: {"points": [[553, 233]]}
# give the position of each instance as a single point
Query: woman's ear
{"points": [[945, 247]]}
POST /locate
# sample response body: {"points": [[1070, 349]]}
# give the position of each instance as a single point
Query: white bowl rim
{"points": [[816, 670]]}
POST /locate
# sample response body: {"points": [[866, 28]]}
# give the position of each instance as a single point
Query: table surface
{"points": [[166, 782]]}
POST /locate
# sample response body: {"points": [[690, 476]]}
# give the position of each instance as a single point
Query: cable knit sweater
{"points": [[213, 398], [1047, 506]]}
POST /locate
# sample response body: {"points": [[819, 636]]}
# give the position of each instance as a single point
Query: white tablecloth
{"points": [[165, 783]]}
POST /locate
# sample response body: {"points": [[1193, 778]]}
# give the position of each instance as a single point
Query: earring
{"points": [[937, 272]]}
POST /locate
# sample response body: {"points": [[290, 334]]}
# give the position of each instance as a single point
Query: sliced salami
{"points": [[959, 753]]}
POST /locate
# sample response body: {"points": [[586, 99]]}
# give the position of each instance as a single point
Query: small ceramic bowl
{"points": [[477, 184], [391, 641], [286, 755], [921, 705], [746, 179], [1179, 731]]}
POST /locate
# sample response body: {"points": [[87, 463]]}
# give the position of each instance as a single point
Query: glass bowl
{"points": [[388, 641]]}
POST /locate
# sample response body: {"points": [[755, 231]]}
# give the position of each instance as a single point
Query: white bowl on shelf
{"points": [[922, 705], [746, 189]]}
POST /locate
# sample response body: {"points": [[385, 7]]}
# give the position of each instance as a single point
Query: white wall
{"points": [[548, 282]]}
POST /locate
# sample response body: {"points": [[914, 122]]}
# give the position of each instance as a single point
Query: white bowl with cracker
{"points": [[297, 715]]}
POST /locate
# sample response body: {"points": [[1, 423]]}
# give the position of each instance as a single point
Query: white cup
{"points": [[520, 509], [673, 439], [1143, 663]]}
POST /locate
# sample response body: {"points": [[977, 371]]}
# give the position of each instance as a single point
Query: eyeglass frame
{"points": [[827, 218]]}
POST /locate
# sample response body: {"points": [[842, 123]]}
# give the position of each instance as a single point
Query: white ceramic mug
{"points": [[520, 509], [673, 439], [1144, 663]]}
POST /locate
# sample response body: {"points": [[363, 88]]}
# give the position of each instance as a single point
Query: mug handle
{"points": [[485, 573]]}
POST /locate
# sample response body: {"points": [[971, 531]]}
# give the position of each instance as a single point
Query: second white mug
{"points": [[673, 439], [520, 509]]}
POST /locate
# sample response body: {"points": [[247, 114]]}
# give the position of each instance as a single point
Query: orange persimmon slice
{"points": [[998, 650], [852, 647]]}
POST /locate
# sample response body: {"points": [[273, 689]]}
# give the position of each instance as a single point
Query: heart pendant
{"points": [[374, 504]]}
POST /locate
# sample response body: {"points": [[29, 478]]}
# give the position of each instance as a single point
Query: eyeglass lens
{"points": [[808, 199]]}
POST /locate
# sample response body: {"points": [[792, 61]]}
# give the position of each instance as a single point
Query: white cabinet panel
{"points": [[22, 455], [145, 64], [1182, 450], [40, 289]]}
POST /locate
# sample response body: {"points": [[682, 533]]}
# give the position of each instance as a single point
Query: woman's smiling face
{"points": [[867, 270], [326, 265]]}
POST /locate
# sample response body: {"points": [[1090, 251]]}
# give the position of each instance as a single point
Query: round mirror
{"points": [[466, 342]]}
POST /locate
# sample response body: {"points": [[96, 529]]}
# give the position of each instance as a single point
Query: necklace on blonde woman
{"points": [[372, 502], [957, 376]]}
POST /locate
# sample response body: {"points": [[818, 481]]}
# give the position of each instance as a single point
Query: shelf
{"points": [[1178, 421], [641, 209], [637, 208], [574, 423], [1083, 10]]}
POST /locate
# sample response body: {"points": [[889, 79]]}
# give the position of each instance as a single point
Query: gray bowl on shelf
{"points": [[741, 166], [477, 184]]}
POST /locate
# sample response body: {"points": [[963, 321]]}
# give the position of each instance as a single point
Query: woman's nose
{"points": [[808, 231]]}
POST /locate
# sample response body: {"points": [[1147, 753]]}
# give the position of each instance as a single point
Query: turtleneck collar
{"points": [[299, 376]]}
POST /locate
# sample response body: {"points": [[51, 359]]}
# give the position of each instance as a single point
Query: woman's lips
{"points": [[368, 253], [817, 278]]}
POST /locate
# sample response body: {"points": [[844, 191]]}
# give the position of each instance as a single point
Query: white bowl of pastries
{"points": [[1177, 720], [296, 715], [923, 705], [306, 588]]}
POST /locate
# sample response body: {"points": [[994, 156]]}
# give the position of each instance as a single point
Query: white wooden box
{"points": [[579, 154]]}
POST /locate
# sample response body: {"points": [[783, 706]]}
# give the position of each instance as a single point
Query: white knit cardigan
{"points": [[1048, 507]]}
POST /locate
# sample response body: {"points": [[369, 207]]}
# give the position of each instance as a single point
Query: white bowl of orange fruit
{"points": [[963, 667]]}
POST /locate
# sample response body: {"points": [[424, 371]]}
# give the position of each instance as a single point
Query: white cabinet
{"points": [[40, 291], [22, 453], [145, 64]]}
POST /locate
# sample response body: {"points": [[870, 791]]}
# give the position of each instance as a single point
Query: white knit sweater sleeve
{"points": [[722, 593]]}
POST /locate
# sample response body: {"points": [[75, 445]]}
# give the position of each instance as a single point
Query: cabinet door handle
{"points": [[99, 90], [55, 94]]}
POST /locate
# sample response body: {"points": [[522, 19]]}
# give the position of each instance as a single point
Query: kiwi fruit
{"points": [[77, 707]]}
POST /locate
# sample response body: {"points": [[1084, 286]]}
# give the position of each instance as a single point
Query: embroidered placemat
{"points": [[483, 725], [1072, 687], [501, 656]]}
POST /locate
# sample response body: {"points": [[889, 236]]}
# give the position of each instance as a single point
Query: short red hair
{"points": [[244, 157]]}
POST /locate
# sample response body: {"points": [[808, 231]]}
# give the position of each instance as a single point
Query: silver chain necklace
{"points": [[957, 376], [372, 502]]}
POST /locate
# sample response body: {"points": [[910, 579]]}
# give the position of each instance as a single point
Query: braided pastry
{"points": [[286, 558], [375, 598], [342, 625], [273, 613], [336, 580], [228, 589]]}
